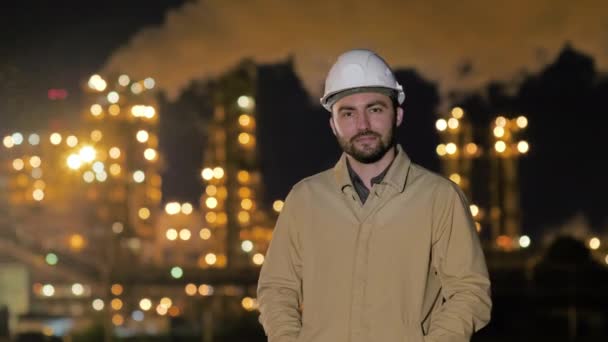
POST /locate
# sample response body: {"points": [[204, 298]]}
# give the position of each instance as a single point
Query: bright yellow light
{"points": [[245, 102], [218, 172], [124, 80], [8, 141], [451, 148], [149, 112], [171, 234], [244, 138], [247, 204], [98, 304], [187, 208], [247, 246], [594, 243], [97, 83], [207, 173], [17, 138], [500, 146], [145, 304], [114, 109], [18, 164], [249, 304], [522, 122], [96, 109], [144, 213], [190, 289], [457, 112], [139, 176], [161, 310], [211, 190], [523, 146], [116, 304], [205, 290], [55, 138], [35, 161], [210, 258], [454, 177], [524, 241], [166, 302], [74, 161], [87, 154], [244, 120], [441, 125], [440, 150], [150, 154], [88, 176], [71, 141], [34, 139], [453, 123], [173, 208], [258, 258], [113, 97], [243, 176], [499, 131], [185, 234], [478, 226], [205, 234], [243, 217], [149, 83], [471, 148], [48, 290], [210, 217], [501, 121], [114, 153], [136, 88], [38, 195], [211, 202], [117, 319], [278, 205], [77, 289], [96, 135], [115, 169], [142, 136], [474, 210], [77, 242], [101, 176], [116, 289]]}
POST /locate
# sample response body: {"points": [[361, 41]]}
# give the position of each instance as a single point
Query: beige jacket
{"points": [[405, 266]]}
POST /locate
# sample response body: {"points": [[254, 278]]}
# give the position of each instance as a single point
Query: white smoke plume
{"points": [[498, 39]]}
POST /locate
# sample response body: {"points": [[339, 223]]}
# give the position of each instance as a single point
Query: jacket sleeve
{"points": [[460, 263], [280, 282]]}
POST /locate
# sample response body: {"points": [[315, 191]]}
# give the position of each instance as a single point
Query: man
{"points": [[377, 248]]}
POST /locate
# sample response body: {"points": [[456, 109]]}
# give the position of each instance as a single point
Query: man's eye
{"points": [[375, 109], [347, 114]]}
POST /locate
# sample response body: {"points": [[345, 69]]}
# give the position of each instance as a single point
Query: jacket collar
{"points": [[395, 177]]}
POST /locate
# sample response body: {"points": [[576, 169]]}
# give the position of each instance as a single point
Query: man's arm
{"points": [[461, 267], [280, 282]]}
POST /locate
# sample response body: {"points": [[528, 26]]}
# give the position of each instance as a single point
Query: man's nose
{"points": [[363, 122]]}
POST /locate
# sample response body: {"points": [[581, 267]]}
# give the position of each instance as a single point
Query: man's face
{"points": [[365, 124]]}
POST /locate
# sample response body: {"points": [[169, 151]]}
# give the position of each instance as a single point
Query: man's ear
{"points": [[332, 124], [399, 117]]}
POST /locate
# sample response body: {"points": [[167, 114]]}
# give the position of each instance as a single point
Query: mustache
{"points": [[364, 134]]}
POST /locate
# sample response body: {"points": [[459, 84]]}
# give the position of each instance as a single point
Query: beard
{"points": [[368, 153]]}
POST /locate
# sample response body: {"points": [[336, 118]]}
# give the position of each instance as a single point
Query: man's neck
{"points": [[368, 171]]}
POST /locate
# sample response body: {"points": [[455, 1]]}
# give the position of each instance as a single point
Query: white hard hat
{"points": [[359, 69]]}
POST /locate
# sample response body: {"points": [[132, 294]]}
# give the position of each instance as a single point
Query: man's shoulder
{"points": [[431, 179], [321, 180]]}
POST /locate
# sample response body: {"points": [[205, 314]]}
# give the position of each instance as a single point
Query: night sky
{"points": [[549, 64]]}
